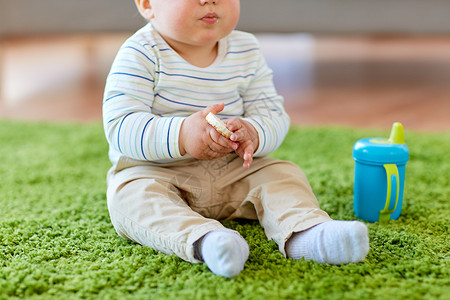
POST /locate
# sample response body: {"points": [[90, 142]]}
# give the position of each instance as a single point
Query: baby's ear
{"points": [[145, 9]]}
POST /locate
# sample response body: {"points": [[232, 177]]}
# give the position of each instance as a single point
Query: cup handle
{"points": [[392, 177]]}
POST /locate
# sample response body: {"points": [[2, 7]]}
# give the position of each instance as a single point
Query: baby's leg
{"points": [[151, 212], [289, 213]]}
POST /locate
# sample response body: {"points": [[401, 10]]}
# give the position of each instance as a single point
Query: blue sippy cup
{"points": [[380, 176]]}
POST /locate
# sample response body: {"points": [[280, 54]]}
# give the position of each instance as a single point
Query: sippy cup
{"points": [[380, 176]]}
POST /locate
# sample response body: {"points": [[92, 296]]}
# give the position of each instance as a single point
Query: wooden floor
{"points": [[366, 82]]}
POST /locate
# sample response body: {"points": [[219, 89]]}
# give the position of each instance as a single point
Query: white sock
{"points": [[224, 252], [332, 242]]}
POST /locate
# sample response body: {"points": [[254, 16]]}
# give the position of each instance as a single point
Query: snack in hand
{"points": [[218, 124]]}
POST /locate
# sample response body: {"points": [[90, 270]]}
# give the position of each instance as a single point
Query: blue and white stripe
{"points": [[150, 90]]}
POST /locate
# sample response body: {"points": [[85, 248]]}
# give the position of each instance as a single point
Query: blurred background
{"points": [[359, 63]]}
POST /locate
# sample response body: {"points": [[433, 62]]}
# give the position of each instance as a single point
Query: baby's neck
{"points": [[199, 56], [201, 59]]}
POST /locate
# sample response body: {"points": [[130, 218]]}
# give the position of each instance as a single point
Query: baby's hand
{"points": [[246, 135], [201, 140]]}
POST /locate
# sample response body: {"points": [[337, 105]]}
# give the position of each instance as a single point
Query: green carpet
{"points": [[56, 240]]}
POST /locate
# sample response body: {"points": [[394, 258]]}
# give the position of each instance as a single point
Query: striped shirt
{"points": [[150, 90]]}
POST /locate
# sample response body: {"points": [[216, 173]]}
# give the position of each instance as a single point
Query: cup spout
{"points": [[397, 135]]}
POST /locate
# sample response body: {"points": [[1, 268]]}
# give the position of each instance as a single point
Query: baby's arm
{"points": [[202, 141], [263, 108]]}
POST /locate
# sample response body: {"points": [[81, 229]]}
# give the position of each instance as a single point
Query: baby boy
{"points": [[174, 176]]}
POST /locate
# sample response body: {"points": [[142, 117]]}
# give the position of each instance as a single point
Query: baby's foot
{"points": [[332, 242], [224, 252]]}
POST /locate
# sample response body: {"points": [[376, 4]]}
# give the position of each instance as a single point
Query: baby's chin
{"points": [[209, 38]]}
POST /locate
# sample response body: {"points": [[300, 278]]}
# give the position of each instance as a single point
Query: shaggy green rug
{"points": [[56, 240]]}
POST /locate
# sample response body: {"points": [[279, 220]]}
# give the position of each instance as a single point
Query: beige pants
{"points": [[169, 207]]}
